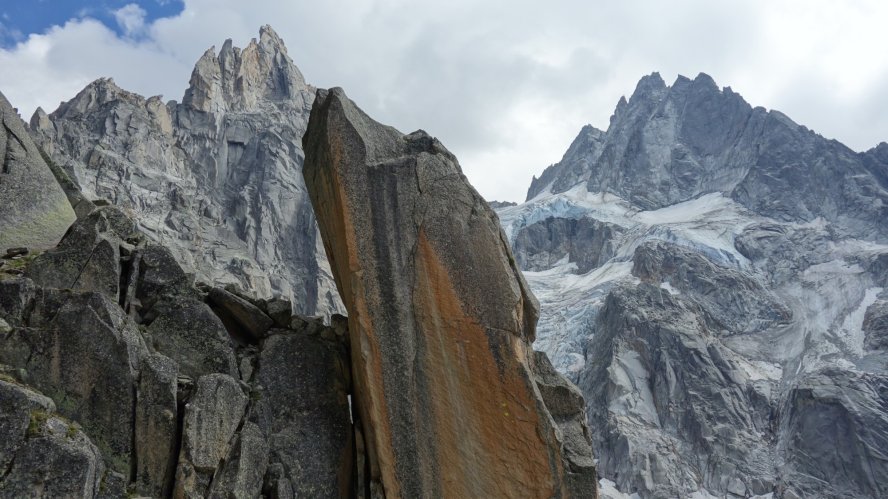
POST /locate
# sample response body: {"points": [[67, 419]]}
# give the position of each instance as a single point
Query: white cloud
{"points": [[131, 19], [505, 85]]}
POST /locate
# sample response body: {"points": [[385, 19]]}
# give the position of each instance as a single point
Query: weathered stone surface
{"points": [[88, 257], [304, 385], [586, 242], [16, 295], [216, 178], [280, 312], [245, 316], [159, 274], [656, 380], [436, 305], [35, 211], [211, 418], [187, 331], [17, 403], [55, 460], [875, 325], [156, 426], [84, 353], [565, 403], [734, 301], [242, 474], [834, 436]]}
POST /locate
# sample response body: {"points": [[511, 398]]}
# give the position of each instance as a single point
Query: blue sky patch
{"points": [[20, 18]]}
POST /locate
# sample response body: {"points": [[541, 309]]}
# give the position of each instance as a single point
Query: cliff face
{"points": [[713, 276], [453, 399], [216, 178], [35, 212]]}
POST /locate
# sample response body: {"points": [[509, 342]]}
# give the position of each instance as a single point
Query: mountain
{"points": [[124, 373], [216, 178], [671, 144], [713, 276]]}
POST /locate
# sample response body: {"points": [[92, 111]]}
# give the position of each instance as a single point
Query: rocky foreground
{"points": [[122, 374]]}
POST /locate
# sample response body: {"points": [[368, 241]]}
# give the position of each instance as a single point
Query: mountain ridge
{"points": [[668, 152]]}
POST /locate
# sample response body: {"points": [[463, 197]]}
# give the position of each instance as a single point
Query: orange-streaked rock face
{"points": [[441, 321]]}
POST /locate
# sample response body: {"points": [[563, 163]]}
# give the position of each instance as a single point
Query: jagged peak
{"points": [[705, 79], [648, 85], [241, 78], [97, 93], [269, 39]]}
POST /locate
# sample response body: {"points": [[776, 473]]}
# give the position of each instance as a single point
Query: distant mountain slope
{"points": [[671, 144], [715, 278], [216, 178]]}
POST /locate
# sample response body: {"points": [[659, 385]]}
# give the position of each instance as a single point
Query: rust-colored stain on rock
{"points": [[440, 319]]}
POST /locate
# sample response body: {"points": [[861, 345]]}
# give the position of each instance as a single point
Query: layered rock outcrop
{"points": [[215, 178], [452, 398], [35, 212]]}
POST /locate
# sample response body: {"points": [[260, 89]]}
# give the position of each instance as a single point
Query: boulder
{"points": [[304, 383], [84, 353], [88, 257], [212, 416], [187, 331], [243, 316], [440, 319], [56, 459], [156, 426], [244, 469]]}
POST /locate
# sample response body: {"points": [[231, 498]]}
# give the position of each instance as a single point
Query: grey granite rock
{"points": [[833, 436], [216, 178], [244, 317], [303, 385], [586, 242], [35, 211], [82, 351], [16, 296], [733, 301], [55, 460], [88, 257], [242, 474], [875, 325], [156, 426], [212, 417], [187, 331]]}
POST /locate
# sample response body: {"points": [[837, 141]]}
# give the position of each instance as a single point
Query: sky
{"points": [[505, 85]]}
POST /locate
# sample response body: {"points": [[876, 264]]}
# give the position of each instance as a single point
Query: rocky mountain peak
{"points": [[649, 85], [244, 79], [95, 95], [669, 144], [216, 178]]}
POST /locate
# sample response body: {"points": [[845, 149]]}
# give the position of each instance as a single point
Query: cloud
{"points": [[131, 19], [506, 85]]}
